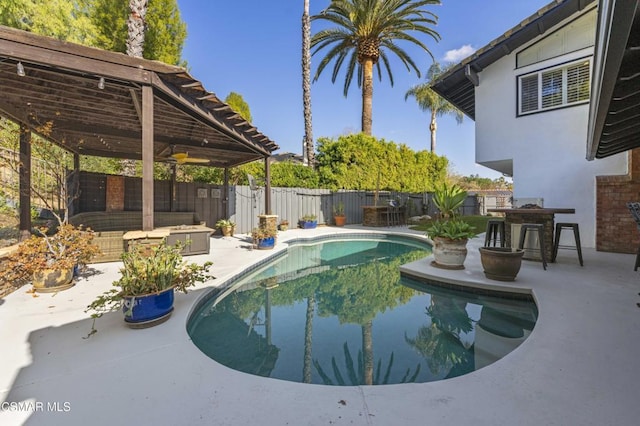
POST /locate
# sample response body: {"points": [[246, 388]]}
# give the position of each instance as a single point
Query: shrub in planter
{"points": [[338, 214], [264, 236], [308, 221], [450, 235], [148, 279], [226, 227], [48, 258]]}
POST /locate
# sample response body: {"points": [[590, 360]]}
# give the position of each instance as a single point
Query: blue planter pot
{"points": [[308, 224], [150, 309], [266, 243]]}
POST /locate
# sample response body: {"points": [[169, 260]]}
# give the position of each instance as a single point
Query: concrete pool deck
{"points": [[579, 366]]}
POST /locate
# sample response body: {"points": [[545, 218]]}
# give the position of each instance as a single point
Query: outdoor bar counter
{"points": [[542, 215]]}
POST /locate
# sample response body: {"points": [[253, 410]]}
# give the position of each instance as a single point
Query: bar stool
{"points": [[539, 228], [494, 227], [576, 236]]}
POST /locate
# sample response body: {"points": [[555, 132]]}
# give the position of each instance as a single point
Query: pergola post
{"points": [[25, 183], [267, 185], [225, 195], [147, 158]]}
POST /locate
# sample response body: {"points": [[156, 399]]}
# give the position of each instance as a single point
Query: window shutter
{"points": [[552, 88], [578, 82], [529, 93]]}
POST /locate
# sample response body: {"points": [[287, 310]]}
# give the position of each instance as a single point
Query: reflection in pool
{"points": [[339, 313]]}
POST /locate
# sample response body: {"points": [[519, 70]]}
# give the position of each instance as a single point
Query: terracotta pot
{"points": [[448, 253], [340, 220], [52, 280], [227, 231], [501, 263]]}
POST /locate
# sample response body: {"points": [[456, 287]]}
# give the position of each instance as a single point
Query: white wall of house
{"points": [[544, 151]]}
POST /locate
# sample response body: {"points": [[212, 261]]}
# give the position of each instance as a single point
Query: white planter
{"points": [[449, 254]]}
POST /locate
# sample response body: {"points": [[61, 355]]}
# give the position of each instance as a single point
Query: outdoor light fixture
{"points": [[20, 69], [101, 83]]}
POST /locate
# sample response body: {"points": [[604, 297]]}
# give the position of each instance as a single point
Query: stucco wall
{"points": [[547, 149]]}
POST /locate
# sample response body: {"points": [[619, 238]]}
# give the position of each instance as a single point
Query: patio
{"points": [[577, 367]]}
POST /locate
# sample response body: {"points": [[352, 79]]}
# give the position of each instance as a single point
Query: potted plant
{"points": [[226, 227], [308, 221], [284, 225], [449, 234], [264, 236], [338, 214], [501, 263], [148, 280], [48, 257]]}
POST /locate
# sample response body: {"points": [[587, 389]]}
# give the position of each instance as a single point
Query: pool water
{"points": [[339, 313]]}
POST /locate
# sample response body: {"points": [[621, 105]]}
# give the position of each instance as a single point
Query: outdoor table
{"points": [[541, 215], [377, 215]]}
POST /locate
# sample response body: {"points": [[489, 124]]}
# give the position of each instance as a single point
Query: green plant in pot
{"points": [[338, 214], [264, 236], [449, 234], [148, 280], [48, 258], [226, 227], [308, 221]]}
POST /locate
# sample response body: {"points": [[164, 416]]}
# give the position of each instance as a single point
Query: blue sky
{"points": [[253, 47]]}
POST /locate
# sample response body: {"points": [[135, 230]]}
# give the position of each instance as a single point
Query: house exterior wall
{"points": [[545, 150]]}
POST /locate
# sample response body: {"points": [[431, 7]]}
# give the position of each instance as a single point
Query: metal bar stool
{"points": [[634, 208], [576, 236], [539, 228], [494, 227]]}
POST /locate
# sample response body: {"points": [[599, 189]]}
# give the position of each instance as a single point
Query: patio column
{"points": [[225, 195], [267, 185], [147, 158], [25, 183]]}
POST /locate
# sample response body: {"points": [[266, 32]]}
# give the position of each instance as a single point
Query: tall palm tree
{"points": [[135, 47], [307, 143], [136, 27], [429, 100], [366, 30]]}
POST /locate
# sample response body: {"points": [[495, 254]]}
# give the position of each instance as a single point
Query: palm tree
{"points": [[135, 47], [366, 30], [136, 27], [429, 100], [307, 143]]}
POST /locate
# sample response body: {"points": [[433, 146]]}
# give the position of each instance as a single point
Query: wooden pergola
{"points": [[108, 104]]}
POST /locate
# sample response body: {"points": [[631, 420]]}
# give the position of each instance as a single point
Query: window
{"points": [[554, 88]]}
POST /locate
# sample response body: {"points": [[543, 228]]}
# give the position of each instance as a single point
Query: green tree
{"points": [[164, 35], [429, 100], [66, 20], [363, 162], [365, 30], [239, 105]]}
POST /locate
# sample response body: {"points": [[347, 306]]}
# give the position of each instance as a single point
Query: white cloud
{"points": [[456, 55]]}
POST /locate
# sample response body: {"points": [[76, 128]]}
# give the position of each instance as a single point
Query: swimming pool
{"points": [[338, 312]]}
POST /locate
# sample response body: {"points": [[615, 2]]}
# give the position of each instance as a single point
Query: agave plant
{"points": [[448, 199]]}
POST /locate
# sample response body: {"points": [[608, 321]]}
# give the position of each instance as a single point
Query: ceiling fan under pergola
{"points": [[183, 158]]}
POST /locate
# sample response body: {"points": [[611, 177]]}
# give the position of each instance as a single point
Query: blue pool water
{"points": [[338, 312]]}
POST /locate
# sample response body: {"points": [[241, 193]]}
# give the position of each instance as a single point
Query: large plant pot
{"points": [[501, 263], [308, 224], [340, 220], [149, 309], [266, 243], [52, 280], [449, 254]]}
